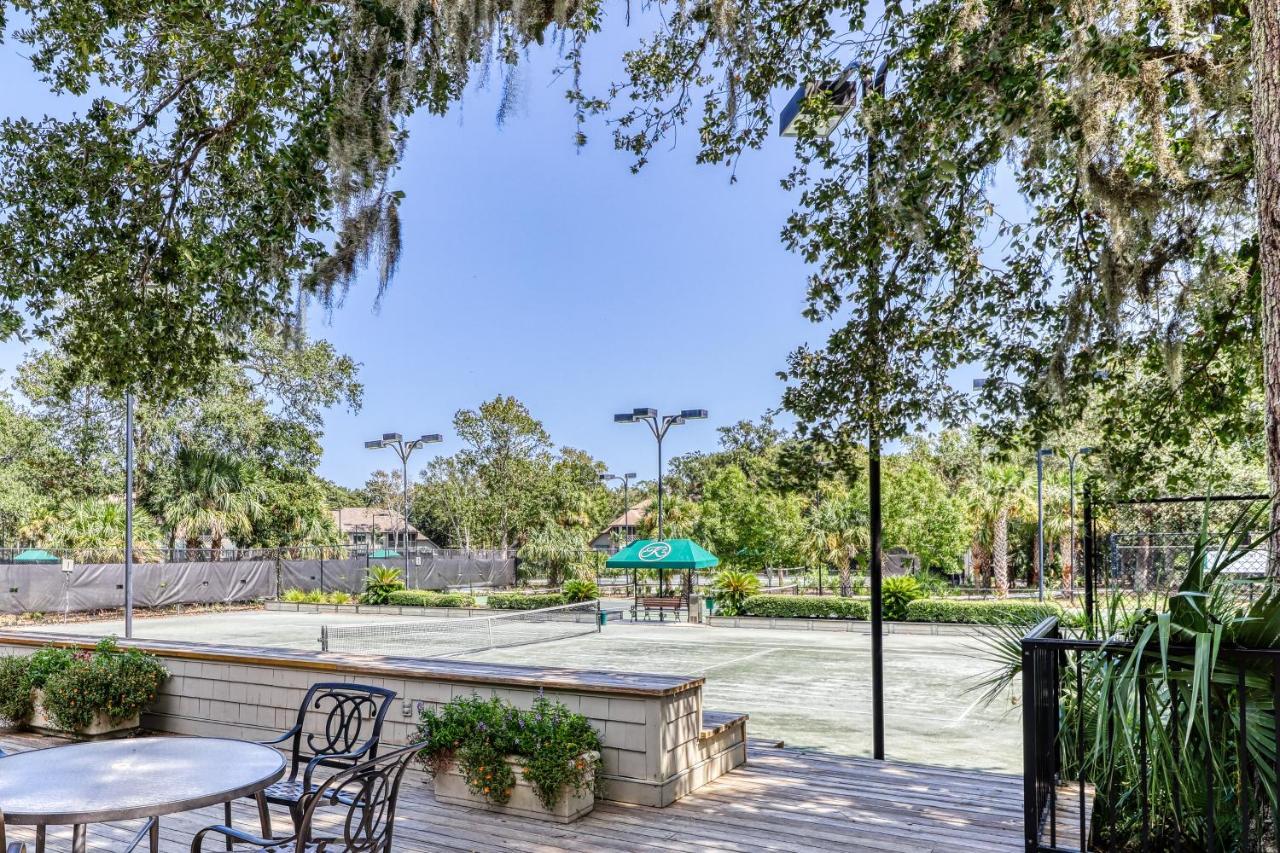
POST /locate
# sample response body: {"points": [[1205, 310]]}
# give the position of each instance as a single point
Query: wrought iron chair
{"points": [[367, 793], [349, 732]]}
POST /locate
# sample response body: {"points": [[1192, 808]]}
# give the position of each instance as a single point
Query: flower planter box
{"points": [[451, 787], [100, 727]]}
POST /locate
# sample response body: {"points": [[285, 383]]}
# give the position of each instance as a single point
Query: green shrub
{"points": [[981, 612], [293, 596], [732, 588], [525, 600], [79, 684], [380, 583], [430, 598], [15, 689], [580, 590], [315, 596], [480, 733], [807, 607], [897, 593]]}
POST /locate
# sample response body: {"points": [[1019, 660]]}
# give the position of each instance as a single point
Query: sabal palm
{"points": [[1004, 491], [213, 494], [837, 534], [95, 528]]}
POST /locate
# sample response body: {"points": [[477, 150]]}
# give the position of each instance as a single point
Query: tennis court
{"points": [[807, 688]]}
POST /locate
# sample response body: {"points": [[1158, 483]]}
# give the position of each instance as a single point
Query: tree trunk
{"points": [[1266, 141], [1068, 568], [1000, 554]]}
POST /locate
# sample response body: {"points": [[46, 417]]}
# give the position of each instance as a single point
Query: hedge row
{"points": [[1006, 612], [427, 598], [807, 607], [525, 600]]}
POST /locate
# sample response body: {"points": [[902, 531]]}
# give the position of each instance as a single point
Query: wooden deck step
{"points": [[715, 722]]}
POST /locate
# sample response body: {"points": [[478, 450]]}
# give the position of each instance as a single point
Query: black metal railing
{"points": [[1053, 740]]}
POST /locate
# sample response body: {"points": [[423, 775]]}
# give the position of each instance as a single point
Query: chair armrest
{"points": [[321, 760], [197, 843], [293, 732]]}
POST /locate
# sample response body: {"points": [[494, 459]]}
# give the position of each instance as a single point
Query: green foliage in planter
{"points": [[897, 593], [479, 734], [429, 598], [525, 600], [580, 590], [79, 684], [15, 689], [1001, 612], [807, 607], [380, 583], [732, 588]]}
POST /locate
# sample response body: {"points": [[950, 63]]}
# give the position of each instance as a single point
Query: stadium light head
{"points": [[693, 414], [630, 476], [841, 91], [1045, 451], [1087, 451], [980, 383], [605, 477], [627, 418], [392, 437], [431, 438], [677, 420], [644, 413], [376, 444]]}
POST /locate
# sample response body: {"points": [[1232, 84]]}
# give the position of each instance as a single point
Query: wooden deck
{"points": [[781, 800]]}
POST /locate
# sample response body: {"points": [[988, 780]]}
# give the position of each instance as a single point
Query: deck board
{"points": [[782, 799]]}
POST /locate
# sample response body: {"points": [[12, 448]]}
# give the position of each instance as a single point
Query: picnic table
{"points": [[104, 781]]}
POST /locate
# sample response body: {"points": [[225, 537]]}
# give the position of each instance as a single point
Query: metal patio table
{"points": [[104, 781]]}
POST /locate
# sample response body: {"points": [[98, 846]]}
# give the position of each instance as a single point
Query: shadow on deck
{"points": [[781, 799]]}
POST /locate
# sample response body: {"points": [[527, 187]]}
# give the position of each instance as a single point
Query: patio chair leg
{"points": [[264, 814], [227, 815], [79, 838]]}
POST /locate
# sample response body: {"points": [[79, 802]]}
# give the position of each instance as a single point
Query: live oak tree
{"points": [[1083, 195], [232, 160]]}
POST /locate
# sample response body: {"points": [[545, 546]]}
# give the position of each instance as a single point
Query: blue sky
{"points": [[554, 274]]}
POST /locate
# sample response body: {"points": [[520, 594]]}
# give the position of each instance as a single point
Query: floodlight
{"points": [[630, 476], [980, 382], [693, 414], [376, 444], [841, 91], [431, 438], [1045, 451], [1085, 451], [624, 419], [392, 436], [644, 413]]}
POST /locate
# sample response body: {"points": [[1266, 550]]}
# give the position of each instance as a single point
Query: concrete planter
{"points": [[99, 727], [451, 787]]}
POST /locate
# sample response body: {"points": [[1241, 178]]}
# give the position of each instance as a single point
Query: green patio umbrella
{"points": [[383, 554], [664, 554], [36, 555]]}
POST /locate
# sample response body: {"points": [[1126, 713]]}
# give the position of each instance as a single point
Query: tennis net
{"points": [[448, 637]]}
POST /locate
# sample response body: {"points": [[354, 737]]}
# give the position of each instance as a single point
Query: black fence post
{"points": [[1090, 549]]}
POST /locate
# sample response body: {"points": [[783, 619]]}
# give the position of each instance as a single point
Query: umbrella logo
{"points": [[654, 551]]}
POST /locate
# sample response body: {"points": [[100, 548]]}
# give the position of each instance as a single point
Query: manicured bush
{"points": [[380, 583], [525, 600], [315, 596], [898, 592], [429, 598], [580, 589], [980, 612], [807, 607]]}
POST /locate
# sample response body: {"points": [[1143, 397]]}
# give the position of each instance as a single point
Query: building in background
{"points": [[377, 528], [622, 529]]}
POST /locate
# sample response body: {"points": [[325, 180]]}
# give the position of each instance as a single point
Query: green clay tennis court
{"points": [[810, 689]]}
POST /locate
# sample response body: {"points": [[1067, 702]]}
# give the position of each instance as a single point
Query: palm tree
{"points": [[211, 493], [1003, 492], [837, 533], [96, 526]]}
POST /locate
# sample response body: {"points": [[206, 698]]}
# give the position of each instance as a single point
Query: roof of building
{"points": [[631, 517], [367, 519]]}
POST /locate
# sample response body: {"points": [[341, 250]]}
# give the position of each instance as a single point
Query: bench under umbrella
{"points": [[663, 556]]}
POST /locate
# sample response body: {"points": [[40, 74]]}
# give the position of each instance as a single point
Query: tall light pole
{"points": [[128, 515], [1040, 456], [1071, 501], [842, 94], [659, 425], [404, 449], [626, 493]]}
